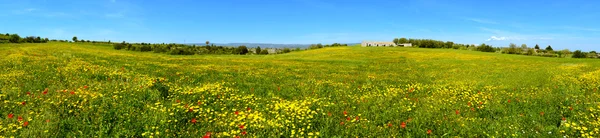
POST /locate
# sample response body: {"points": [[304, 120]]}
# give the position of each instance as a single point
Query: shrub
{"points": [[485, 48], [578, 54], [286, 50], [264, 52], [242, 50], [119, 46]]}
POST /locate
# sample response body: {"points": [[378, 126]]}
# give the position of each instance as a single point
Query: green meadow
{"points": [[61, 89]]}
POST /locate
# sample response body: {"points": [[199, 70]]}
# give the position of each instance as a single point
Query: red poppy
{"points": [[570, 108], [207, 135], [28, 93], [403, 125], [278, 89], [237, 136], [72, 93], [342, 123], [348, 118], [191, 110], [10, 116], [357, 118], [45, 91], [328, 113], [248, 108], [85, 87], [542, 113], [48, 121], [193, 120], [480, 102], [508, 100], [345, 113], [237, 113], [457, 112], [564, 119], [389, 124], [199, 103], [429, 131], [241, 126], [23, 103], [25, 124], [244, 132], [178, 101], [472, 109], [20, 118], [469, 104]]}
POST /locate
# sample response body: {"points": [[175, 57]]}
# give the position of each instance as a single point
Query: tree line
{"points": [[15, 38], [319, 45], [182, 49], [511, 49]]}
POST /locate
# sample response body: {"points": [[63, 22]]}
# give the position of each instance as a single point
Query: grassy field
{"points": [[85, 90]]}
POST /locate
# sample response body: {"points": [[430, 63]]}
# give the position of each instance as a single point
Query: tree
{"points": [[565, 52], [7, 34], [402, 40], [207, 42], [512, 49], [549, 48], [537, 47], [257, 50], [14, 38], [578, 54], [530, 51], [395, 41], [264, 52], [74, 38], [485, 48], [242, 50], [286, 50], [449, 44], [524, 46]]}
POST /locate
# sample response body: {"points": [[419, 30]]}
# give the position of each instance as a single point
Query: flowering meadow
{"points": [[90, 90]]}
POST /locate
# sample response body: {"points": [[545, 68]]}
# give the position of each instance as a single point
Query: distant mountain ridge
{"points": [[263, 45]]}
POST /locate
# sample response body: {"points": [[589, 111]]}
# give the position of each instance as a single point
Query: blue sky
{"points": [[563, 24]]}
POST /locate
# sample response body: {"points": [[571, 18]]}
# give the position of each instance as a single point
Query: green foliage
{"points": [[74, 39], [537, 46], [486, 48], [286, 50], [15, 38], [578, 54], [264, 52], [257, 50], [242, 50], [549, 48]]}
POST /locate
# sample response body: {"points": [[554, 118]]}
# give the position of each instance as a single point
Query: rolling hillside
{"points": [[91, 90]]}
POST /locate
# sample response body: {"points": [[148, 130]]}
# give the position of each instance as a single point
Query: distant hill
{"points": [[264, 45]]}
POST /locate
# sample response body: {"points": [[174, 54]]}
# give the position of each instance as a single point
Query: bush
{"points": [[286, 50], [15, 38], [578, 54], [485, 48], [119, 46], [264, 52], [242, 50]]}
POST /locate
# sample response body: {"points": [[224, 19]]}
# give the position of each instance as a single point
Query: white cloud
{"points": [[481, 21], [516, 38], [494, 38]]}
